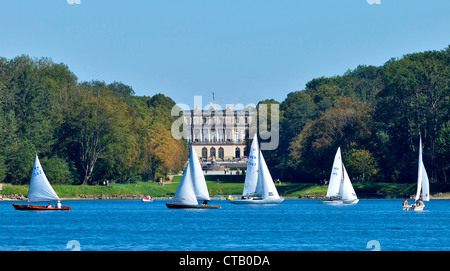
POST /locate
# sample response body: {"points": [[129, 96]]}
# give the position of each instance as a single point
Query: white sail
{"points": [[199, 182], [423, 184], [268, 189], [251, 174], [185, 192], [347, 191], [192, 186], [336, 176], [40, 189], [419, 172], [258, 181]]}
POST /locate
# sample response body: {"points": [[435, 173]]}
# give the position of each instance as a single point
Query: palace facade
{"points": [[218, 133]]}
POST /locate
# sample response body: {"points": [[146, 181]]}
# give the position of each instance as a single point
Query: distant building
{"points": [[218, 133]]}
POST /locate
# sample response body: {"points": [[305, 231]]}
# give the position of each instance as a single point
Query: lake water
{"points": [[296, 224]]}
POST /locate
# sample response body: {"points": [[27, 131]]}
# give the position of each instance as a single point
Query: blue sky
{"points": [[245, 50]]}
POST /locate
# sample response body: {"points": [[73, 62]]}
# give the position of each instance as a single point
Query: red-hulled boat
{"points": [[39, 208], [40, 191]]}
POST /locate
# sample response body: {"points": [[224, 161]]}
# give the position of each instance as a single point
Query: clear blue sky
{"points": [[244, 50]]}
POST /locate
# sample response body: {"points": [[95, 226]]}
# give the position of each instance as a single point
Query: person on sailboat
{"points": [[420, 201], [58, 204], [405, 203], [49, 206], [205, 202]]}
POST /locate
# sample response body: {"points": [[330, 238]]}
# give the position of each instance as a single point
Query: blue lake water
{"points": [[296, 224]]}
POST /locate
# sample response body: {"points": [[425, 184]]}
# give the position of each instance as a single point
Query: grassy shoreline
{"points": [[227, 185]]}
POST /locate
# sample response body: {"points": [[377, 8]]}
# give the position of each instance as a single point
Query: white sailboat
{"points": [[40, 191], [340, 184], [423, 186], [192, 187], [259, 187]]}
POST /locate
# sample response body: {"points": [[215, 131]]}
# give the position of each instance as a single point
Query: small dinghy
{"points": [[147, 199], [40, 191], [423, 186]]}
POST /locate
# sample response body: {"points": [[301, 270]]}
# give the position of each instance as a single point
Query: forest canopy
{"points": [[83, 132], [376, 115], [86, 132]]}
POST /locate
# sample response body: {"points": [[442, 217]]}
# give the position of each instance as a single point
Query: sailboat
{"points": [[192, 187], [423, 186], [40, 191], [340, 184], [258, 185]]}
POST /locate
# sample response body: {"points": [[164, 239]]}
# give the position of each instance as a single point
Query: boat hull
{"points": [[350, 201], [184, 206], [21, 207], [257, 201], [340, 202], [331, 202], [413, 208]]}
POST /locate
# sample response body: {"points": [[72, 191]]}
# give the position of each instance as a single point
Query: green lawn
{"points": [[228, 185]]}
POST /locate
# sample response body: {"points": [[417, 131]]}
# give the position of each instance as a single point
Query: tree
{"points": [[443, 150], [361, 163], [166, 152], [414, 101], [92, 123], [345, 124], [20, 161], [57, 170]]}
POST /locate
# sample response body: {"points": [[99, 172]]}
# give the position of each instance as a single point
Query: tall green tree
{"points": [[312, 152], [415, 101]]}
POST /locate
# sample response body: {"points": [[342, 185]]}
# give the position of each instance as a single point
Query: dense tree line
{"points": [[83, 132], [375, 114]]}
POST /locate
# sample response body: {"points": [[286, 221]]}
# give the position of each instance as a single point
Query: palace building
{"points": [[218, 133]]}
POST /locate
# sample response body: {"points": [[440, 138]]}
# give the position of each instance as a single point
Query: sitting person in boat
{"points": [[405, 203], [205, 202], [49, 206], [420, 202]]}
